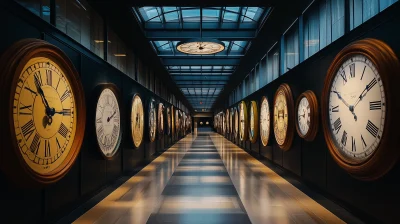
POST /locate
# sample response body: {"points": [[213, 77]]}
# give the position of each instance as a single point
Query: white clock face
{"points": [[200, 48], [108, 123], [242, 121], [251, 121], [357, 106], [265, 122], [152, 121], [304, 116]]}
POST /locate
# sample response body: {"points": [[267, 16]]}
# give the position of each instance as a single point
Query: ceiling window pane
{"points": [[230, 17], [191, 15], [171, 17], [169, 9], [210, 15]]}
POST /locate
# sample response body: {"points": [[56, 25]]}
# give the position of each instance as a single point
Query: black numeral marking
{"points": [[335, 109], [353, 144], [58, 144], [99, 120], [27, 129], [47, 148], [25, 110], [30, 90], [38, 78], [65, 95], [63, 130], [49, 77], [344, 138], [371, 84], [66, 112], [372, 128], [343, 74], [352, 70], [115, 133], [375, 105], [363, 141], [100, 131], [363, 72], [35, 144], [337, 125]]}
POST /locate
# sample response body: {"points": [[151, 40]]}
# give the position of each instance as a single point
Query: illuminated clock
{"points": [[108, 122], [243, 121], [227, 116], [265, 123], [177, 121], [152, 120], [200, 47], [223, 123], [169, 121], [359, 107], [160, 120], [253, 129], [137, 120], [43, 112], [236, 131], [307, 115], [231, 118], [283, 117]]}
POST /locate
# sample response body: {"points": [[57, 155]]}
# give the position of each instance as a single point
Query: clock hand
{"points": [[40, 91], [365, 91], [109, 118], [351, 108]]}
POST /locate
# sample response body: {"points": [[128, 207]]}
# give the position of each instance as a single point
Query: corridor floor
{"points": [[205, 178]]}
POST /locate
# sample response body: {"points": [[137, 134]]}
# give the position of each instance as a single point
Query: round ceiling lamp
{"points": [[200, 46]]}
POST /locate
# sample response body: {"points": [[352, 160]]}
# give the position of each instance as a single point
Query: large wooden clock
{"points": [[108, 121], [152, 122], [177, 122], [265, 123], [236, 131], [43, 111], [307, 115], [360, 104], [173, 121], [283, 117], [137, 120], [168, 115], [243, 121], [231, 118], [227, 116], [160, 120], [253, 124]]}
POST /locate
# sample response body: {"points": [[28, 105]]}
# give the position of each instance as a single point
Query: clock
{"points": [[43, 113], [160, 120], [265, 121], [108, 122], [223, 123], [283, 117], [169, 121], [236, 131], [227, 116], [359, 109], [307, 115], [231, 118], [152, 120], [173, 121], [177, 121], [243, 121], [253, 129], [137, 120]]}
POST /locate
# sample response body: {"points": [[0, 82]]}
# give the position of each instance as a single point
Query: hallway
{"points": [[207, 179]]}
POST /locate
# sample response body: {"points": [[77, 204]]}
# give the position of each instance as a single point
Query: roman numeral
{"points": [[30, 90], [63, 130], [344, 138], [115, 132], [335, 109], [27, 129], [58, 144], [371, 84], [65, 95], [49, 77], [100, 131], [353, 144], [66, 112], [343, 74], [372, 128], [99, 120], [363, 141], [363, 72], [38, 78], [47, 148], [337, 125], [375, 105], [35, 144], [28, 109], [352, 70]]}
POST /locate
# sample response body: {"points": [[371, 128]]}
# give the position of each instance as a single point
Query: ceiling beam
{"points": [[201, 86], [201, 78], [178, 35], [197, 72], [196, 61]]}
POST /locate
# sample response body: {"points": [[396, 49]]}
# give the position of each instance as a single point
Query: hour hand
{"points": [[40, 91]]}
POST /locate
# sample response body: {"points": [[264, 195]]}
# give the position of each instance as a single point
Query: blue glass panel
{"points": [[233, 9], [210, 15], [230, 17], [191, 15], [171, 17], [169, 9]]}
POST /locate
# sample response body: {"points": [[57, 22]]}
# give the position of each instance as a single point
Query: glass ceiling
{"points": [[201, 78]]}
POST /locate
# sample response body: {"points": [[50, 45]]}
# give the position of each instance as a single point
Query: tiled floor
{"points": [[207, 179]]}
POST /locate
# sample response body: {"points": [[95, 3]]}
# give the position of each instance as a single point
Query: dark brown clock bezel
{"points": [[312, 100], [97, 92], [245, 136], [386, 155], [287, 143], [269, 110], [12, 62], [151, 101], [253, 104], [130, 119]]}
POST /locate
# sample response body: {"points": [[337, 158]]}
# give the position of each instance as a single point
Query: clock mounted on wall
{"points": [[152, 120], [359, 109], [236, 131], [160, 120], [265, 123], [283, 117], [307, 115], [227, 116], [137, 120], [243, 121], [43, 112], [169, 124], [253, 129]]}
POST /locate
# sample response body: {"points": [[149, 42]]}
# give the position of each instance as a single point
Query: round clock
{"points": [[283, 116], [253, 130], [223, 123], [231, 118], [243, 121], [43, 112], [169, 121], [176, 121], [236, 131], [108, 122], [172, 121], [137, 120], [359, 107], [227, 116], [265, 121], [307, 115], [152, 120], [160, 113]]}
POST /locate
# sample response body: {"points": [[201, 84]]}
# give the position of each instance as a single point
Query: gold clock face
{"points": [[177, 121], [253, 130], [264, 121], [45, 116], [161, 119], [236, 123], [169, 120], [280, 117], [152, 121], [227, 121], [137, 120], [243, 121], [200, 48]]}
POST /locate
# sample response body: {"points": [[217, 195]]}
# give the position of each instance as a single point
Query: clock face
{"points": [[45, 115], [176, 121], [231, 118], [357, 105], [200, 48], [169, 120], [264, 121], [280, 117], [223, 123], [253, 130], [161, 119], [251, 122], [108, 123], [236, 123], [304, 116], [227, 120], [137, 120], [152, 121], [243, 121]]}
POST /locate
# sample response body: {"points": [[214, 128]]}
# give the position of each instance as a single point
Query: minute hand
{"points": [[365, 91], [340, 98]]}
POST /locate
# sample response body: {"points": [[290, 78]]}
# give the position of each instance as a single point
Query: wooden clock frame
{"points": [[269, 131], [12, 62], [253, 104], [287, 143], [130, 119], [314, 114], [387, 153], [245, 136]]}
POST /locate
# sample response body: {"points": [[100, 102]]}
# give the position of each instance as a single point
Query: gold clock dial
{"points": [[227, 121], [169, 120], [253, 130], [160, 119], [283, 117], [243, 121], [264, 121], [177, 126], [236, 123], [137, 120], [200, 48], [152, 121]]}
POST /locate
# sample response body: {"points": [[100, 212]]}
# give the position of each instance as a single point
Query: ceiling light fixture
{"points": [[200, 46]]}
